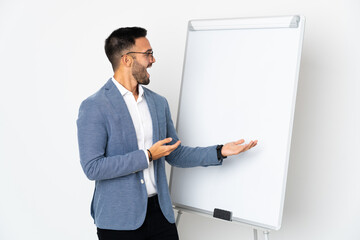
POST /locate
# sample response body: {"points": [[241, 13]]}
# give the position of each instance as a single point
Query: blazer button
{"points": [[142, 181]]}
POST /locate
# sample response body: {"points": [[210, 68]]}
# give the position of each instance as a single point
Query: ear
{"points": [[127, 60]]}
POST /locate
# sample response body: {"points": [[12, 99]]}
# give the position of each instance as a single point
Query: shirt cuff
{"points": [[147, 156]]}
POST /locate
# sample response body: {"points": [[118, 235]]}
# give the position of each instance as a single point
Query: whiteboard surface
{"points": [[239, 83]]}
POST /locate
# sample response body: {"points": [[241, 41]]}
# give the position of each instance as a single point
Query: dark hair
{"points": [[121, 40]]}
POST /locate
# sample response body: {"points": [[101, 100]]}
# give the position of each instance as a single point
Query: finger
{"points": [[177, 143], [248, 146], [169, 148], [165, 141], [254, 144], [174, 146]]}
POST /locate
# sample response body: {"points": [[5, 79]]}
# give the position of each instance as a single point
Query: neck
{"points": [[128, 82]]}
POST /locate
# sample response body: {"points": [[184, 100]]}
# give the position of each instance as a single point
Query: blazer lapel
{"points": [[152, 108], [121, 110], [156, 135]]}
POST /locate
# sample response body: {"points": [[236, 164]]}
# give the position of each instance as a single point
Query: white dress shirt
{"points": [[140, 115]]}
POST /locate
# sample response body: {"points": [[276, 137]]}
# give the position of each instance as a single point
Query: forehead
{"points": [[142, 44]]}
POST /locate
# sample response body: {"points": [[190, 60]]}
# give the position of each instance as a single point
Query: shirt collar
{"points": [[124, 91]]}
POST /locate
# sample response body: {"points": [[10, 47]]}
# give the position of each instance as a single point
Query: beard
{"points": [[140, 74]]}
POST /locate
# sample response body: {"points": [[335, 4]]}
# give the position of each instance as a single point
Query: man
{"points": [[125, 134]]}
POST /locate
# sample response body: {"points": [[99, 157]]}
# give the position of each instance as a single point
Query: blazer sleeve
{"points": [[185, 156], [92, 139]]}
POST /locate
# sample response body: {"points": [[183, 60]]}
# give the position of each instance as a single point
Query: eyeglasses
{"points": [[149, 54]]}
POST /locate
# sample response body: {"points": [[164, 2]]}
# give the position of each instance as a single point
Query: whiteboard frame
{"points": [[296, 21]]}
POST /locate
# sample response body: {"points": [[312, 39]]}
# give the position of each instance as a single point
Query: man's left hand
{"points": [[233, 148]]}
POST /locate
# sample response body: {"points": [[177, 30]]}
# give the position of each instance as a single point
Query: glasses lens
{"points": [[150, 54]]}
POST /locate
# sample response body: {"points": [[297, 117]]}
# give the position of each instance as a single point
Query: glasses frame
{"points": [[147, 53]]}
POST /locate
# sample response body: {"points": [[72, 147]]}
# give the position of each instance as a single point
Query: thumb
{"points": [[241, 141]]}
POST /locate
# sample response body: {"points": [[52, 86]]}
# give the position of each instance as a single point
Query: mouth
{"points": [[147, 70]]}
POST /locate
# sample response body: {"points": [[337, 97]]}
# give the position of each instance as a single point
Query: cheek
{"points": [[140, 66]]}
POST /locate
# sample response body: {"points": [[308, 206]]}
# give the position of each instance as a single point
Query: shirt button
{"points": [[142, 181]]}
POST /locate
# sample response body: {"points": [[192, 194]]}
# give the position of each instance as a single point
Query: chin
{"points": [[146, 82]]}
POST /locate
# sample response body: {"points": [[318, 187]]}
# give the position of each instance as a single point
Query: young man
{"points": [[125, 135]]}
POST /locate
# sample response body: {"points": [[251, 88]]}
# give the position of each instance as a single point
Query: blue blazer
{"points": [[109, 155]]}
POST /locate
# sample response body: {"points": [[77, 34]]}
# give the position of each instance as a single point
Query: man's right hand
{"points": [[160, 149]]}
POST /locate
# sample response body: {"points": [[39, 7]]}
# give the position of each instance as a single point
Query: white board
{"points": [[239, 81]]}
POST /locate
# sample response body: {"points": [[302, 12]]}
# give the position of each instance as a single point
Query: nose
{"points": [[152, 59]]}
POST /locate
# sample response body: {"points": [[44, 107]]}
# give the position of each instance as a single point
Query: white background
{"points": [[52, 57]]}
